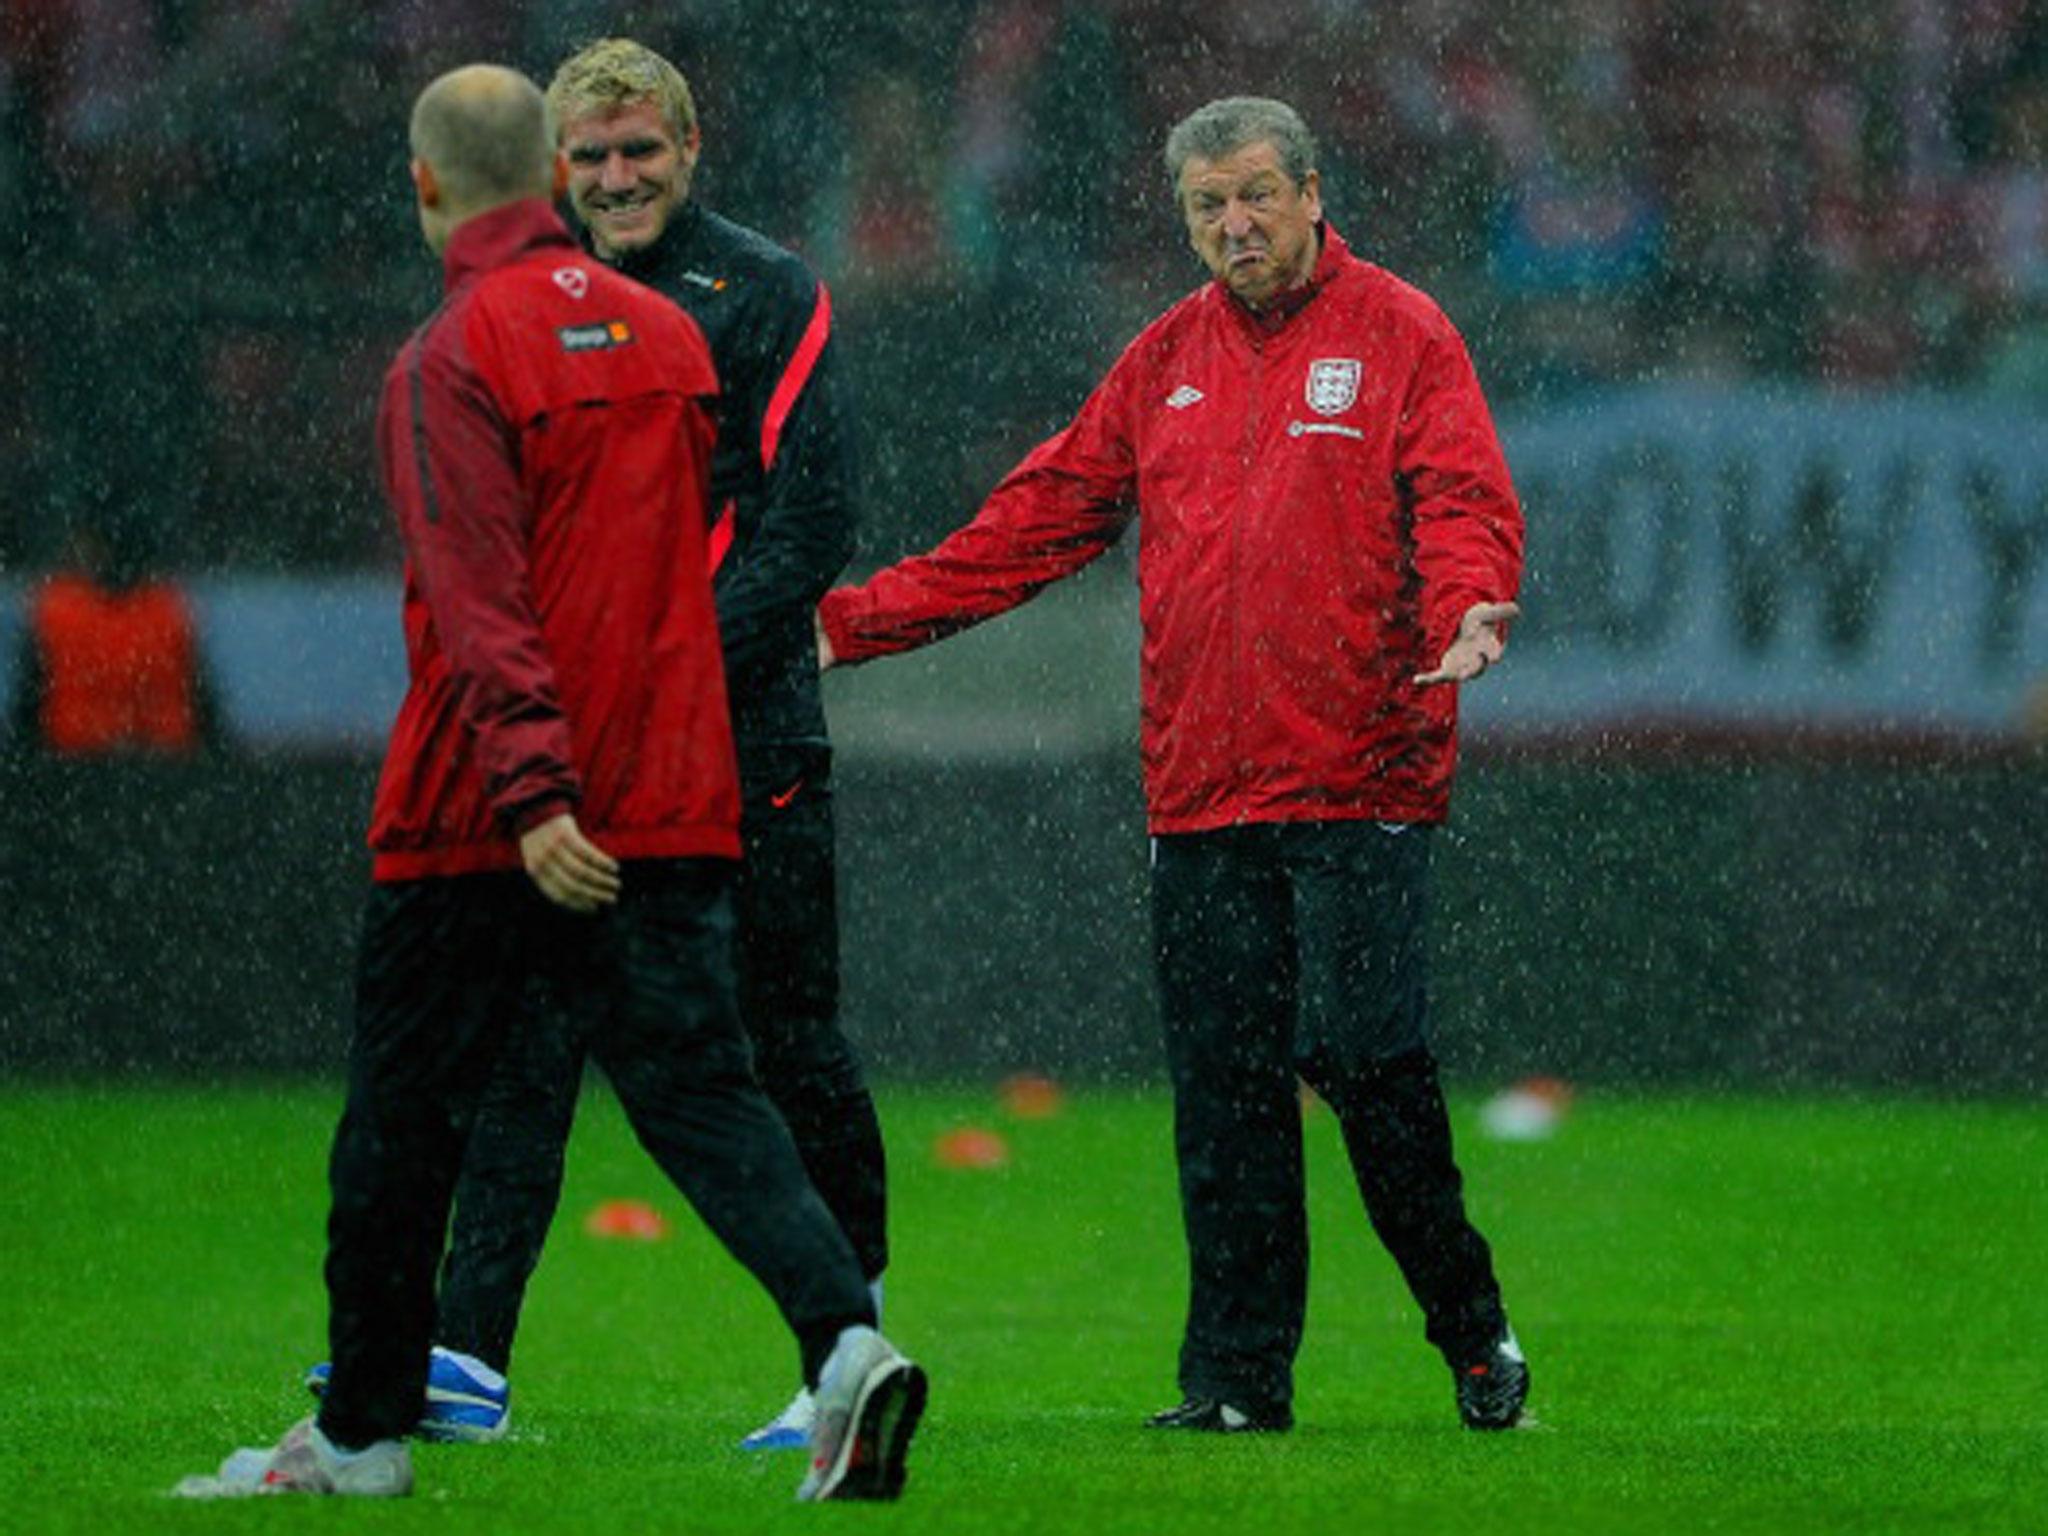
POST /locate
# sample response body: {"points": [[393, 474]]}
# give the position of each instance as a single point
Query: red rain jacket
{"points": [[545, 440], [1320, 497]]}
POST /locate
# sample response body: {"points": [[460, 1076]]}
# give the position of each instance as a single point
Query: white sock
{"points": [[875, 1291]]}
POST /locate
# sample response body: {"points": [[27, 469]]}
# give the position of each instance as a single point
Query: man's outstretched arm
{"points": [[1069, 500]]}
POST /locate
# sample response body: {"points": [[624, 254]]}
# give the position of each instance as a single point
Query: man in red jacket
{"points": [[782, 494], [557, 820], [1329, 539]]}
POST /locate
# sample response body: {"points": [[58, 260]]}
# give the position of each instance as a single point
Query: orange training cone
{"points": [[1030, 1096], [633, 1220], [971, 1147]]}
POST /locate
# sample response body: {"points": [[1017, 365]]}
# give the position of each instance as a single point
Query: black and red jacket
{"points": [[545, 440], [1320, 497], [783, 476]]}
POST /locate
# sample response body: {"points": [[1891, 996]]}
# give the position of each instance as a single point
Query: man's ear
{"points": [[426, 184], [561, 175]]}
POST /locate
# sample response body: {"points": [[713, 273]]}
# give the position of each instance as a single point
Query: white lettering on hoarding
{"points": [[1776, 558]]}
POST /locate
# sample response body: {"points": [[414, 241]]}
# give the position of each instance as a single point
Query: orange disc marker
{"points": [[971, 1147], [633, 1220], [1030, 1096]]}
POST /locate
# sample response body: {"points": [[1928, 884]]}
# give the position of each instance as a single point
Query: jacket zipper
{"points": [[1240, 680]]}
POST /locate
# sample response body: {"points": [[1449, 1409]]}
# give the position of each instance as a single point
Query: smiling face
{"points": [[1250, 222], [628, 173]]}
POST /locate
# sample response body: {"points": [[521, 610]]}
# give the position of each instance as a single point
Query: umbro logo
{"points": [[1183, 397]]}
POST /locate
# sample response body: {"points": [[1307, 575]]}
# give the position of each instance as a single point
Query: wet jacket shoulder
{"points": [[783, 478]]}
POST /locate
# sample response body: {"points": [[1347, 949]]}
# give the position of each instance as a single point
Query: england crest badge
{"points": [[1332, 385]]}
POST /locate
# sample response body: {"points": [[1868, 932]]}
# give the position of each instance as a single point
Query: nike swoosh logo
{"points": [[781, 801]]}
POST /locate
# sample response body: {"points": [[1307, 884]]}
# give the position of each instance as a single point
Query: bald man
{"points": [[557, 821]]}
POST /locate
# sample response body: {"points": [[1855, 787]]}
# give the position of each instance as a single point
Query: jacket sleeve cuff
{"points": [[524, 818], [832, 618], [1442, 627]]}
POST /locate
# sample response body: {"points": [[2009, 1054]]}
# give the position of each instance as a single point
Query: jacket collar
{"points": [[1330, 260], [499, 237], [650, 261]]}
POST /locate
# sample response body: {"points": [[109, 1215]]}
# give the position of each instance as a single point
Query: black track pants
{"points": [[787, 958], [448, 970], [1297, 951]]}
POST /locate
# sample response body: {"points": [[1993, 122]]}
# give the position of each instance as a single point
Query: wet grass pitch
{"points": [[1742, 1314]]}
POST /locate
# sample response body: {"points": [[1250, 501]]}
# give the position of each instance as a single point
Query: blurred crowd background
{"points": [[208, 248], [1758, 287]]}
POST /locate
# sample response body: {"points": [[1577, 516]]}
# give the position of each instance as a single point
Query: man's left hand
{"points": [[1478, 646], [570, 870]]}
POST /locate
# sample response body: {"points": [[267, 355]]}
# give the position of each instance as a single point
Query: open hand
{"points": [[1478, 646]]}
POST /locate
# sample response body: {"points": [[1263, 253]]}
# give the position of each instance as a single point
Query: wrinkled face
{"points": [[1249, 222], [627, 175]]}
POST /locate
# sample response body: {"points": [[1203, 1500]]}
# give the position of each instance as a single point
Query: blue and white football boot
{"points": [[467, 1401], [789, 1430]]}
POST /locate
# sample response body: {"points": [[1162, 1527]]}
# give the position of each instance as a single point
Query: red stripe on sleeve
{"points": [[720, 539], [795, 377]]}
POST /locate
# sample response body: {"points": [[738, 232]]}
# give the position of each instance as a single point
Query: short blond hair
{"points": [[615, 73]]}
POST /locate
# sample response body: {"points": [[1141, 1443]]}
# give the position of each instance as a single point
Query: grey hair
{"points": [[1222, 128]]}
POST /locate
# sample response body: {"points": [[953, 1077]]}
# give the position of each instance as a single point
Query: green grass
{"points": [[1743, 1316]]}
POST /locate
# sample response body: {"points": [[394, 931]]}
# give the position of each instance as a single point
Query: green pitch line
{"points": [[1743, 1316]]}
